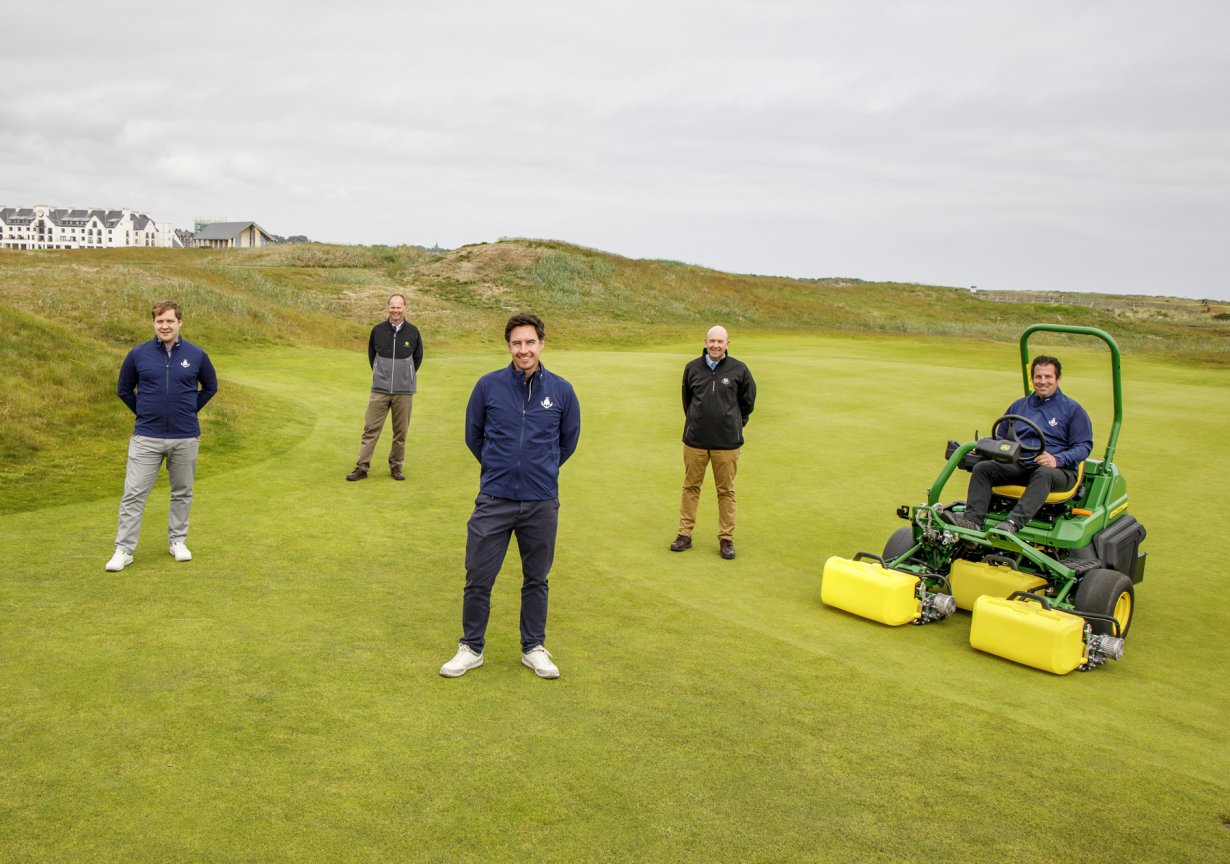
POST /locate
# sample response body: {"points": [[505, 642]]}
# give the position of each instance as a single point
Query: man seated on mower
{"points": [[1069, 440]]}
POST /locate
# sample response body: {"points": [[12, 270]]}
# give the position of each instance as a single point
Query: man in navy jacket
{"points": [[165, 382], [1069, 441], [522, 424]]}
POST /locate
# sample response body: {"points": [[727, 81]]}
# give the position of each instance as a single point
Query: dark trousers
{"points": [[492, 523], [1038, 482]]}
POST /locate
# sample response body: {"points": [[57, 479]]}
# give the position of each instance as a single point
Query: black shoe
{"points": [[727, 549], [962, 522], [357, 474], [395, 471], [683, 541], [1007, 527]]}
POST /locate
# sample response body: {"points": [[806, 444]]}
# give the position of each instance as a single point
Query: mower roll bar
{"points": [[1114, 371]]}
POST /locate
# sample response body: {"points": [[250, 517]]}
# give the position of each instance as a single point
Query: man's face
{"points": [[716, 343], [166, 326], [525, 346], [1045, 380], [397, 310]]}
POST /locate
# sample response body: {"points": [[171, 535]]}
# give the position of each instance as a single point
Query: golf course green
{"points": [[277, 698]]}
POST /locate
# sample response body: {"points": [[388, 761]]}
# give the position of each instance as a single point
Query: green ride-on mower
{"points": [[1058, 594]]}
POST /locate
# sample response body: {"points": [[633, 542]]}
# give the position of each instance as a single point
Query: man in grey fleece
{"points": [[395, 352]]}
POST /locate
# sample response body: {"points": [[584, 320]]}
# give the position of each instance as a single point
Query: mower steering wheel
{"points": [[1011, 421]]}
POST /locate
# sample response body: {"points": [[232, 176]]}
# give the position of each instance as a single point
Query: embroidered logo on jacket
{"points": [[184, 363], [726, 381], [1054, 421], [546, 402]]}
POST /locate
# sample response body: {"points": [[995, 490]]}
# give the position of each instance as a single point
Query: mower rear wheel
{"points": [[899, 543], [1107, 592]]}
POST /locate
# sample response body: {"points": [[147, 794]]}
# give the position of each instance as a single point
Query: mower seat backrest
{"points": [[1056, 497]]}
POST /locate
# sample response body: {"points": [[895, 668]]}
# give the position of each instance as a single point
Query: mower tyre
{"points": [[901, 541], [1107, 592]]}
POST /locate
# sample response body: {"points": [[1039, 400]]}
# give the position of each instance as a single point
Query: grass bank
{"points": [[68, 316]]}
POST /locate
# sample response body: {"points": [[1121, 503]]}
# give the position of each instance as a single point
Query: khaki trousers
{"points": [[378, 408], [725, 464]]}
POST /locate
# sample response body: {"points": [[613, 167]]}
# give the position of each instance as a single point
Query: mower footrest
{"points": [[1025, 632], [868, 589]]}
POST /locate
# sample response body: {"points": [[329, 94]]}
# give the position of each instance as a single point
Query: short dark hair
{"points": [[1046, 360], [163, 305], [521, 319]]}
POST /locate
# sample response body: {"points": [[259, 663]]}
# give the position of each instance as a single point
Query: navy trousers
{"points": [[491, 525], [1038, 482]]}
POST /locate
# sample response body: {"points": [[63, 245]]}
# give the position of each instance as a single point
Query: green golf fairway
{"points": [[277, 698]]}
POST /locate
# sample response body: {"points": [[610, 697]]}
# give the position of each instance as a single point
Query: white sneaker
{"points": [[119, 561], [539, 659], [180, 551], [463, 661]]}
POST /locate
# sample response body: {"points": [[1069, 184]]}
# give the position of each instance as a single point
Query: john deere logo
{"points": [[1004, 448]]}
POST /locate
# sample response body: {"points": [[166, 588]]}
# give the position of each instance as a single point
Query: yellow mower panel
{"points": [[1028, 633], [970, 580], [868, 589]]}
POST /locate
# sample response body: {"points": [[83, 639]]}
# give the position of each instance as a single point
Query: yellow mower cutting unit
{"points": [[1056, 595], [869, 589]]}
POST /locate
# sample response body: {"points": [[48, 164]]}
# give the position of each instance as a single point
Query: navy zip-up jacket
{"points": [[1068, 430], [521, 430], [166, 391]]}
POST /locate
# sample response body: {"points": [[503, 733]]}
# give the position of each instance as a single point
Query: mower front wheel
{"points": [[901, 541], [1107, 592]]}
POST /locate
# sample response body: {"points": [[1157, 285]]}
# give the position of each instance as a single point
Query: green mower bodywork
{"points": [[1058, 594]]}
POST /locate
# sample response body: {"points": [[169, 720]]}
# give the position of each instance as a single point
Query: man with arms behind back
{"points": [[165, 382], [395, 352]]}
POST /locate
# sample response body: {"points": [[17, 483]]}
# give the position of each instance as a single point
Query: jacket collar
{"points": [[1039, 402], [518, 376]]}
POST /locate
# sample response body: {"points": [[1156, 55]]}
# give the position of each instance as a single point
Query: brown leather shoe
{"points": [[357, 474], [727, 548], [395, 470], [683, 541]]}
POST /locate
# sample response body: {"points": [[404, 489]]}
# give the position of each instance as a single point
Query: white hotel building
{"points": [[42, 227]]}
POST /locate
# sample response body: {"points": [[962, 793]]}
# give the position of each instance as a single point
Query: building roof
{"points": [[225, 230]]}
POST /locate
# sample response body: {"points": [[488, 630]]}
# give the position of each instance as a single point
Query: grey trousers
{"points": [[378, 407], [145, 457]]}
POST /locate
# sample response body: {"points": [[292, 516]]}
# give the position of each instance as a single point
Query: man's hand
{"points": [[1046, 460]]}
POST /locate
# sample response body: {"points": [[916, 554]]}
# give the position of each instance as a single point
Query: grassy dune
{"points": [[277, 698], [67, 317]]}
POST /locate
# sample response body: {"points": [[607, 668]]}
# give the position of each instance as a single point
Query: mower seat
{"points": [[1056, 497]]}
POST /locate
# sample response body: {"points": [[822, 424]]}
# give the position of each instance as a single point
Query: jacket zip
{"points": [[393, 359], [166, 420], [529, 394]]}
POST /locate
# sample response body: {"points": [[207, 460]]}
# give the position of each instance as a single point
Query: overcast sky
{"points": [[1080, 146]]}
